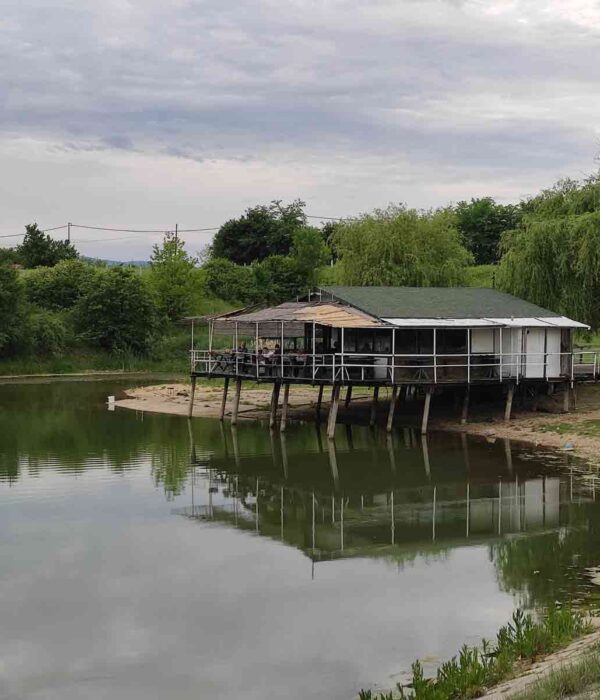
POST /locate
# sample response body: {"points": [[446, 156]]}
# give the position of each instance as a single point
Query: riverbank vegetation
{"points": [[476, 669], [60, 312]]}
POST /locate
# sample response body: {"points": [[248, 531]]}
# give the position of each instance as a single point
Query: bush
{"points": [[58, 287], [47, 333], [12, 314]]}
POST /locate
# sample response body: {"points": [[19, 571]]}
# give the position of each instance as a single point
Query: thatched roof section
{"points": [[294, 316]]}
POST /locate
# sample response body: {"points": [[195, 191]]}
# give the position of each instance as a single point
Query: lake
{"points": [[150, 557]]}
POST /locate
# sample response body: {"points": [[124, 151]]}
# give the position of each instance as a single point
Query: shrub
{"points": [[47, 333], [58, 287]]}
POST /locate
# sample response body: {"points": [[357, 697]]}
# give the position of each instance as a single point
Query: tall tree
{"points": [[11, 310], [309, 253], [38, 249], [399, 246], [260, 232], [482, 223], [172, 276]]}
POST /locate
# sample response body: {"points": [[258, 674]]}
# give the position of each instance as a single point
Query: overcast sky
{"points": [[143, 113]]}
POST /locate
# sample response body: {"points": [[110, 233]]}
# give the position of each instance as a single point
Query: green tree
{"points": [[553, 257], [482, 223], [38, 249], [11, 310], [8, 256], [276, 279], [226, 280], [261, 231], [309, 253], [399, 246], [172, 276], [57, 287], [117, 311]]}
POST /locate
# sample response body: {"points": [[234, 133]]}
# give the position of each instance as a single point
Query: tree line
{"points": [[545, 249]]}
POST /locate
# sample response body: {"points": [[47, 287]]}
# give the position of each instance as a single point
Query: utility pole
{"points": [[69, 232], [176, 230]]}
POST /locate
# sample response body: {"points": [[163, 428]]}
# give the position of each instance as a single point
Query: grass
{"points": [[475, 669], [577, 678], [588, 428]]}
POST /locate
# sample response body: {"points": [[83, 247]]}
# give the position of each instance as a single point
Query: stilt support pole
{"points": [[348, 395], [274, 404], [426, 408], [374, 407], [392, 409], [224, 399], [284, 407], [465, 406], [567, 398], [509, 401], [236, 401], [333, 409], [319, 402], [192, 395]]}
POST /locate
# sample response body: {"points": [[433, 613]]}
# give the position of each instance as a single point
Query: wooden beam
{"points": [[509, 402], [284, 407], [426, 408], [224, 399], [567, 398], [333, 409], [348, 395], [373, 418], [274, 404], [319, 402], [465, 406], [392, 409], [192, 395], [236, 401]]}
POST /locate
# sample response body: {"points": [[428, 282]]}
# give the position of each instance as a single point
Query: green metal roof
{"points": [[437, 302]]}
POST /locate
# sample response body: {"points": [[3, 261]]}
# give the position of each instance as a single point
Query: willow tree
{"points": [[553, 258], [398, 246]]}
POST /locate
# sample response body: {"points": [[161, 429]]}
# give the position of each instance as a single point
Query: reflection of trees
{"points": [[547, 567]]}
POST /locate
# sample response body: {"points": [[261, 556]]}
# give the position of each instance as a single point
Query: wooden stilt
{"points": [[465, 406], [284, 407], [567, 398], [236, 401], [426, 408], [192, 395], [224, 400], [274, 404], [509, 401], [333, 409], [374, 407], [348, 395], [319, 402], [392, 409]]}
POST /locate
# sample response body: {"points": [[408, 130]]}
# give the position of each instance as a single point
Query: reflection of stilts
{"points": [[465, 448], [393, 523], [256, 509], [224, 436], [500, 506], [373, 417], [425, 455], [468, 506], [313, 523], [390, 447], [284, 454], [319, 438], [333, 464], [191, 440], [342, 523], [508, 454], [281, 514], [434, 512], [236, 446], [349, 439]]}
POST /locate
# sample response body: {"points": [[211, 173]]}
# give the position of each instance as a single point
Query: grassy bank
{"points": [[518, 644]]}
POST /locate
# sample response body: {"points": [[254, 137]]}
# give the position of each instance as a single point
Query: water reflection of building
{"points": [[384, 499]]}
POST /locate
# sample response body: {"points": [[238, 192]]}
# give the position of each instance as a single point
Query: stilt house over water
{"points": [[424, 337]]}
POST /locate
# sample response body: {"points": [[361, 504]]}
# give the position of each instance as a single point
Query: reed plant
{"points": [[468, 675]]}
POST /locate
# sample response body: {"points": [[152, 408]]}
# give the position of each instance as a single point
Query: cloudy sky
{"points": [[143, 113]]}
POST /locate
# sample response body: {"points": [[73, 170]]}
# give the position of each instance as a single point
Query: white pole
{"points": [[282, 349], [434, 356], [501, 351], [256, 349]]}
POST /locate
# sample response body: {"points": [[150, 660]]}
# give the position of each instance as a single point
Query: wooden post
{"points": [[348, 395], [374, 406], [509, 401], [567, 398], [392, 409], [284, 407], [192, 395], [224, 400], [465, 406], [319, 402], [426, 408], [274, 404], [236, 401], [333, 409]]}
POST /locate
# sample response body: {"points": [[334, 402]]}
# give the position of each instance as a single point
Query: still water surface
{"points": [[147, 557]]}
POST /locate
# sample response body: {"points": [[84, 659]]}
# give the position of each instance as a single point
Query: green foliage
{"points": [[47, 333], [474, 670], [260, 232], [11, 310], [117, 311], [553, 258], [226, 280], [481, 276], [57, 287], [8, 256], [399, 246], [38, 249], [482, 223], [310, 253], [172, 277]]}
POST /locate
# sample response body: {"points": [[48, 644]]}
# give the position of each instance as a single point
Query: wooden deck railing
{"points": [[385, 368]]}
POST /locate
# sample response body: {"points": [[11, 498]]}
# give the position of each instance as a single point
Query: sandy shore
{"points": [[537, 427]]}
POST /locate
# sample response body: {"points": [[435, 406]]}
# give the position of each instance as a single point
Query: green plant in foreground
{"points": [[475, 669]]}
